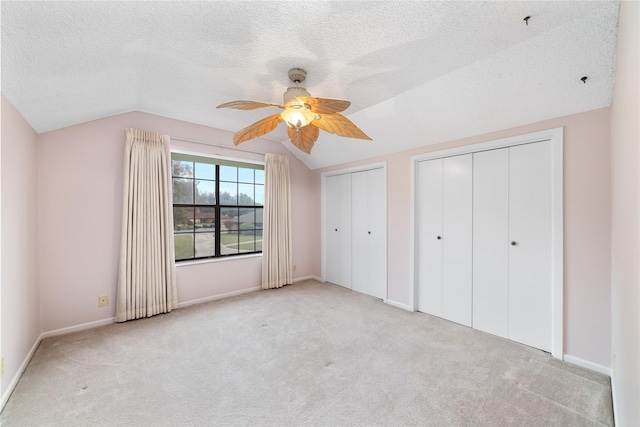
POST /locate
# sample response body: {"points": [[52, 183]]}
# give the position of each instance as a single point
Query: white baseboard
{"points": [[220, 296], [16, 377], [76, 328], [300, 279], [398, 304], [614, 399], [234, 293], [586, 364]]}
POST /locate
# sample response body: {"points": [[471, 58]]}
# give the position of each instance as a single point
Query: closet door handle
{"points": [[369, 232], [513, 243], [439, 237], [336, 229]]}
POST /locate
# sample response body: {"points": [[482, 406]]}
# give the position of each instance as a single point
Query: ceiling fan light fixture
{"points": [[297, 116], [300, 111]]}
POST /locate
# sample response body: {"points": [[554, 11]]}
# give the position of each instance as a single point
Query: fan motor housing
{"points": [[292, 92]]}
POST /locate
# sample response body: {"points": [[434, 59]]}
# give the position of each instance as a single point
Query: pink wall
{"points": [[80, 218], [625, 167], [21, 320], [80, 191], [587, 289]]}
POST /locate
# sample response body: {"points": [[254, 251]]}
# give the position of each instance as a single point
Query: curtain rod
{"points": [[215, 145]]}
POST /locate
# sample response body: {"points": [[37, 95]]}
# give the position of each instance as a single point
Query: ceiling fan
{"points": [[304, 115]]}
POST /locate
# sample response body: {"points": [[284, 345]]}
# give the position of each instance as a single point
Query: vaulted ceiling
{"points": [[416, 72]]}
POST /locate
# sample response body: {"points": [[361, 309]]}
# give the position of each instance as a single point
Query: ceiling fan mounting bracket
{"points": [[297, 75]]}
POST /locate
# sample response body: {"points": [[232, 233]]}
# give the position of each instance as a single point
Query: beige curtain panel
{"points": [[147, 280], [277, 259]]}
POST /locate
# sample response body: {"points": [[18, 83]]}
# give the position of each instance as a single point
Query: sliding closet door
{"points": [[368, 231], [457, 221], [338, 229], [491, 242], [488, 233], [530, 244], [359, 236], [377, 232], [429, 236]]}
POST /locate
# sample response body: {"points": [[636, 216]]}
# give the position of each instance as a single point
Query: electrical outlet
{"points": [[1, 366], [103, 301]]}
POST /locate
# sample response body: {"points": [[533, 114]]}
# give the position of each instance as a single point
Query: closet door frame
{"points": [[323, 212], [557, 244]]}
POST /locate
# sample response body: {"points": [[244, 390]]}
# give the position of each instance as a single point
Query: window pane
{"points": [[205, 171], [183, 219], [182, 168], [258, 240], [245, 175], [259, 195], [247, 242], [205, 219], [228, 243], [183, 244], [228, 193], [228, 173], [206, 192], [259, 176], [247, 220], [229, 219], [182, 191], [205, 244], [245, 194], [259, 218]]}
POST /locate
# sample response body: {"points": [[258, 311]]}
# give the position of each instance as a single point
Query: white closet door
{"points": [[491, 242], [359, 229], [530, 244], [338, 238], [377, 233], [457, 223], [429, 236]]}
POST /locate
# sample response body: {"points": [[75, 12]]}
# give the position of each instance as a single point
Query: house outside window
{"points": [[217, 206]]}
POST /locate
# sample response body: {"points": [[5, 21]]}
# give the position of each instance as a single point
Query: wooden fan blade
{"points": [[257, 129], [247, 105], [304, 138], [325, 105], [339, 125]]}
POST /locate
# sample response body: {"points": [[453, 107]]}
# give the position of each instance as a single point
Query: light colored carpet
{"points": [[307, 354]]}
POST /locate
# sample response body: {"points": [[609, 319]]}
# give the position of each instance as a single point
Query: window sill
{"points": [[213, 260]]}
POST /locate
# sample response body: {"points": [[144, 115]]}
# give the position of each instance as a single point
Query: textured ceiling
{"points": [[416, 72]]}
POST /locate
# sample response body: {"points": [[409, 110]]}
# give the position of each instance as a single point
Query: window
{"points": [[217, 207]]}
